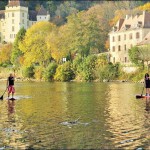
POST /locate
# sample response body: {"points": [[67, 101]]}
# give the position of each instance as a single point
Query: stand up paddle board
{"points": [[11, 99], [142, 96]]}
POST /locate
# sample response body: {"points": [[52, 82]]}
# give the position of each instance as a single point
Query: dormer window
{"points": [[139, 24], [127, 26]]}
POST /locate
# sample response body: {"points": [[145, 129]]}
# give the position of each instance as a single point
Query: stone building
{"points": [[17, 15], [127, 33]]}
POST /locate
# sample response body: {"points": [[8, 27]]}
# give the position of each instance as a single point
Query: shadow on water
{"points": [[75, 116]]}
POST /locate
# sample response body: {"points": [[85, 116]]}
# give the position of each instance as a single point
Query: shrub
{"points": [[108, 71], [28, 72], [50, 72], [64, 72], [38, 72]]}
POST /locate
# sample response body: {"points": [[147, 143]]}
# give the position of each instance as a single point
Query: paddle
{"points": [[3, 95], [140, 96]]}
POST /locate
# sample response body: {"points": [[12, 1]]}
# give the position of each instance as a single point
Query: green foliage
{"points": [[85, 32], [50, 72], [89, 68], [28, 72], [140, 55], [38, 72], [84, 68], [108, 72], [134, 54], [64, 72], [16, 52]]}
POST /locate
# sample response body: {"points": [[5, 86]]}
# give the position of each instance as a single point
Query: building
{"points": [[17, 15], [127, 33]]}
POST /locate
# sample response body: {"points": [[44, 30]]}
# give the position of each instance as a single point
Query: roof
{"points": [[145, 41], [2, 14], [133, 22], [12, 3], [42, 11], [32, 15]]}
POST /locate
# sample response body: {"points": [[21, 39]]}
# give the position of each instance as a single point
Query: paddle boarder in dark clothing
{"points": [[147, 84], [10, 85]]}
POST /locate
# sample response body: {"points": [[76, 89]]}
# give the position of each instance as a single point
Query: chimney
{"points": [[127, 17]]}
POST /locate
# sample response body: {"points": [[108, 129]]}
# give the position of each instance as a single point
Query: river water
{"points": [[75, 116]]}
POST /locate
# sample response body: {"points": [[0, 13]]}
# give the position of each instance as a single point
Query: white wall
{"points": [[120, 55]]}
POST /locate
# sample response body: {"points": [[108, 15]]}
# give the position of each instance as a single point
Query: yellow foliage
{"points": [[144, 7], [34, 44], [5, 52]]}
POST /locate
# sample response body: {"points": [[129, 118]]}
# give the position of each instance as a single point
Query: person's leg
{"points": [[9, 91], [147, 91], [12, 94], [13, 91]]}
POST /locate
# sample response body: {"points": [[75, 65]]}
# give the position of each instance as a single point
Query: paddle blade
{"points": [[1, 98]]}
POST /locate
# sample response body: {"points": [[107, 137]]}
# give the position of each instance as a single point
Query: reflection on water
{"points": [[75, 116]]}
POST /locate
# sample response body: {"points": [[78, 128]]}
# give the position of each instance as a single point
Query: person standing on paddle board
{"points": [[147, 84], [10, 85]]}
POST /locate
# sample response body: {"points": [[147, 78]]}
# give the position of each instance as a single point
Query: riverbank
{"points": [[104, 81]]}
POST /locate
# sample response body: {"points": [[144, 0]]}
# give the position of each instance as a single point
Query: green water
{"points": [[75, 116]]}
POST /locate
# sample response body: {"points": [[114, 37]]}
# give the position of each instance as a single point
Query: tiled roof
{"points": [[42, 11], [133, 22], [2, 14], [16, 3]]}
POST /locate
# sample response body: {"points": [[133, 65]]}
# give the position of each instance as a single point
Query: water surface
{"points": [[75, 116]]}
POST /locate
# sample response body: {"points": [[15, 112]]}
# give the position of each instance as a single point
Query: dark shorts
{"points": [[11, 89]]}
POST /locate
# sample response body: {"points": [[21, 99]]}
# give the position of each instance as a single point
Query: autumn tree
{"points": [[16, 52], [34, 44], [5, 53]]}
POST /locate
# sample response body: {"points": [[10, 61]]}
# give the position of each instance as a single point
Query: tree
{"points": [[140, 55], [34, 44], [16, 52], [85, 32], [5, 53]]}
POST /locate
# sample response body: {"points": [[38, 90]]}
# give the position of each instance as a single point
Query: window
{"points": [[125, 37], [23, 21], [130, 36], [119, 48], [113, 59], [119, 38], [13, 28], [13, 14], [125, 59], [22, 14], [125, 47], [12, 21], [113, 39], [113, 48], [137, 35]]}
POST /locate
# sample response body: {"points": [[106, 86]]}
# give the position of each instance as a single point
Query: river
{"points": [[75, 116]]}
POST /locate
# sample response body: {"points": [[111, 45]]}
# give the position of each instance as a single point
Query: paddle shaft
{"points": [[4, 92], [142, 90]]}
